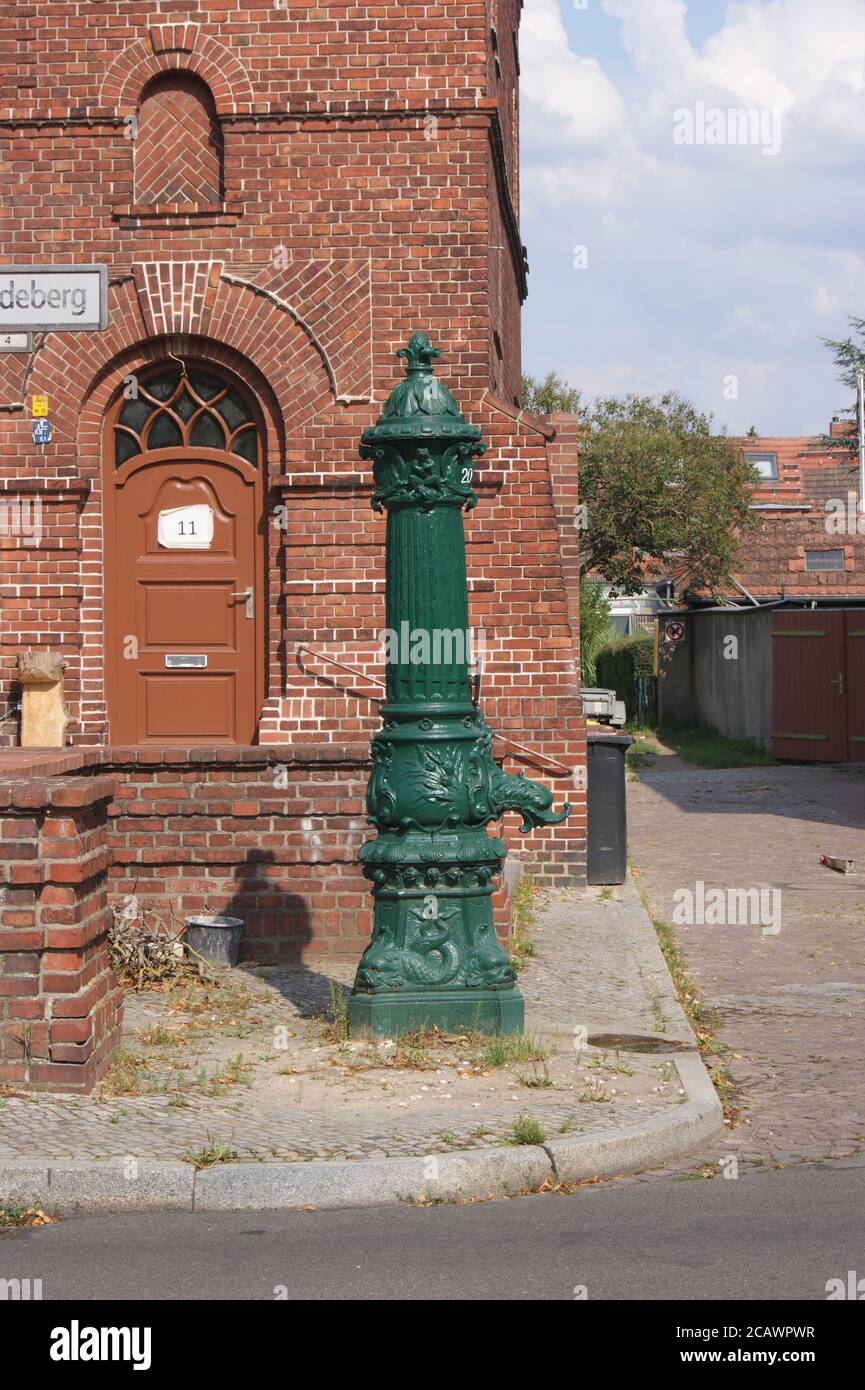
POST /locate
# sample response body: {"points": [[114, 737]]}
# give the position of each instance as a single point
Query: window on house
{"points": [[178, 149], [496, 56], [175, 411], [824, 559], [765, 464]]}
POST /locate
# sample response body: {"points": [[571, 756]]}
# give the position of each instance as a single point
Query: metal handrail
{"points": [[302, 647], [353, 670], [536, 753]]}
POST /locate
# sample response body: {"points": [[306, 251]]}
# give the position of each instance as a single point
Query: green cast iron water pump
{"points": [[434, 959]]}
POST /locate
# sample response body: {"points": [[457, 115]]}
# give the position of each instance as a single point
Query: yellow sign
{"points": [[38, 407]]}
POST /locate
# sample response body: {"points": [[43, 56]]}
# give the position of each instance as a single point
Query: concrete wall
{"points": [[700, 685]]}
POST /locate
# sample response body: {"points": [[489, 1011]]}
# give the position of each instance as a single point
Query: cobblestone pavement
{"points": [[250, 1063], [789, 1005]]}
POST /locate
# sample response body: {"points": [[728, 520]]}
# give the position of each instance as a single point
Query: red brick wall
{"points": [[369, 182], [59, 1001], [369, 189], [270, 835]]}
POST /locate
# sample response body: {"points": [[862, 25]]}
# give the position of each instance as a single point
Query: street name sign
{"points": [[53, 298]]}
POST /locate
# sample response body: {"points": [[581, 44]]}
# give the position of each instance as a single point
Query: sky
{"points": [[693, 200]]}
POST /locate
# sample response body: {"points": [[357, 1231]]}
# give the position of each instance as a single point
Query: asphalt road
{"points": [[779, 1234]]}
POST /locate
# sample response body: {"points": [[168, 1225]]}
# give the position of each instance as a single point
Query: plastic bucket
{"points": [[216, 939]]}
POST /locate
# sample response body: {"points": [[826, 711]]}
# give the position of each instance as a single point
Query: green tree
{"points": [[547, 396], [662, 492], [596, 630], [849, 358]]}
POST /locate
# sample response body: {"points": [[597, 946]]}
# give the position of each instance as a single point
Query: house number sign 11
{"points": [[185, 528]]}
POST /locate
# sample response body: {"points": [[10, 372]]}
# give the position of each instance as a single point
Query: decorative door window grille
{"points": [[176, 410]]}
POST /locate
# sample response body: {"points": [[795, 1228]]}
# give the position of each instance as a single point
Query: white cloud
{"points": [[700, 257], [653, 32], [566, 99]]}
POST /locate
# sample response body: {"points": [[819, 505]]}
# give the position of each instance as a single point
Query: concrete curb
{"points": [[64, 1186]]}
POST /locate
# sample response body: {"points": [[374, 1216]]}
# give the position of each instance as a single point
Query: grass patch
{"points": [[449, 1140], [214, 1005], [234, 1073], [640, 754], [595, 1091], [520, 948], [511, 1048], [214, 1151], [411, 1056], [159, 1036], [334, 1021], [686, 988], [526, 1131], [704, 747], [601, 1064], [128, 1075]]}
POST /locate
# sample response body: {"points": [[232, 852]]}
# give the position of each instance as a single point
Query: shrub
{"points": [[620, 662], [596, 630]]}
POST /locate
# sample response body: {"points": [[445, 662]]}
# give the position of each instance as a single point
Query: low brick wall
{"points": [[59, 1000], [269, 834]]}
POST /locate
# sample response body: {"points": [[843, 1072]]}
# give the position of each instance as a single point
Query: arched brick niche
{"points": [[178, 149]]}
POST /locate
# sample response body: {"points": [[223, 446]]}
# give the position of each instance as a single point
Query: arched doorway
{"points": [[184, 574]]}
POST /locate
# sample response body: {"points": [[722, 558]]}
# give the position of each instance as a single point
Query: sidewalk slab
{"points": [[324, 1123], [787, 1003]]}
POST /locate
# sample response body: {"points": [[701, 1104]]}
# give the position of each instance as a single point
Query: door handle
{"points": [[249, 596], [839, 681]]}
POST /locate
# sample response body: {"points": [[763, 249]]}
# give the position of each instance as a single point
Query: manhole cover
{"points": [[637, 1042]]}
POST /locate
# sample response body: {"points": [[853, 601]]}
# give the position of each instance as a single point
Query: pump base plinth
{"points": [[389, 1013]]}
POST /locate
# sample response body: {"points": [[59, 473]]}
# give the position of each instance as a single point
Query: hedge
{"points": [[620, 661]]}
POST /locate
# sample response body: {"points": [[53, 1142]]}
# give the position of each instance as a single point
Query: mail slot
{"points": [[175, 659]]}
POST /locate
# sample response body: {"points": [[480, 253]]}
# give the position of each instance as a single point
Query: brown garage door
{"points": [[808, 686], [818, 685], [854, 623]]}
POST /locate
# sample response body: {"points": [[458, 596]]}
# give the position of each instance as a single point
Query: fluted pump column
{"points": [[434, 958]]}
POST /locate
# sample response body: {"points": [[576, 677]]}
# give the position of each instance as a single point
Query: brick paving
{"points": [[250, 1064], [790, 1006]]}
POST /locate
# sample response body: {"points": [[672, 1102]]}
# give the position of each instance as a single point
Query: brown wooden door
{"points": [[809, 686], [183, 574], [855, 685]]}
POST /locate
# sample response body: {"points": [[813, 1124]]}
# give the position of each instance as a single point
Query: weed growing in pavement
{"points": [[214, 1151], [526, 1131]]}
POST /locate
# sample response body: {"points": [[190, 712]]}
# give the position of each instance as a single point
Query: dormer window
{"points": [[766, 465]]}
